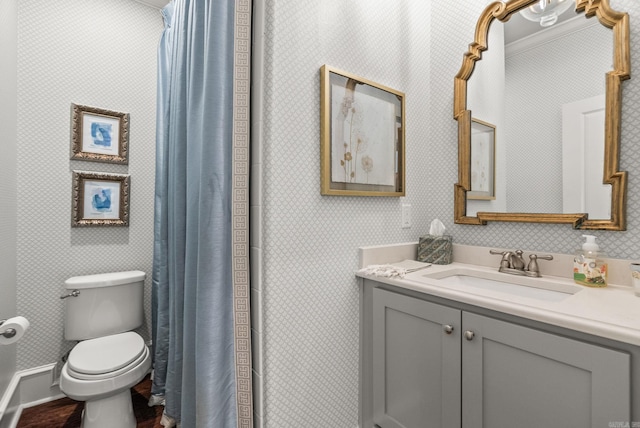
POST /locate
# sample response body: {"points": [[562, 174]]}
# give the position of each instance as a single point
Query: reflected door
{"points": [[583, 191]]}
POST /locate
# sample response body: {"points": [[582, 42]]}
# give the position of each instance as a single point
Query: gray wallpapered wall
{"points": [[8, 197], [310, 301], [102, 54], [309, 293]]}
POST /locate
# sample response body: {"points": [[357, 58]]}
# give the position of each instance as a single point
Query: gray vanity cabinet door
{"points": [[515, 376], [416, 363]]}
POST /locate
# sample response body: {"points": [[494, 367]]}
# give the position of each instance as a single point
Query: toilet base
{"points": [[109, 412]]}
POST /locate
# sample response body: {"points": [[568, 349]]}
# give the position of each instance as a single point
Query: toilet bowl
{"points": [[109, 359], [101, 372]]}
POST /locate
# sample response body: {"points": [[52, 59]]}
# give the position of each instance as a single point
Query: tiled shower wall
{"points": [[100, 53], [306, 248]]}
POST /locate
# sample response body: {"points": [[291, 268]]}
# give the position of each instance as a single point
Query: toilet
{"points": [[101, 311]]}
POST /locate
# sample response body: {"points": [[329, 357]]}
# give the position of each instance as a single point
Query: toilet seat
{"points": [[106, 357]]}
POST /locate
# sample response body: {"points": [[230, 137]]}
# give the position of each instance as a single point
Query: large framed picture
{"points": [[99, 135], [483, 161], [100, 199], [362, 136]]}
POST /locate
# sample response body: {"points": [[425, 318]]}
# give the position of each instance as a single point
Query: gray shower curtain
{"points": [[194, 331]]}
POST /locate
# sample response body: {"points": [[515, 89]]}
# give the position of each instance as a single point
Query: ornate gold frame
{"points": [[78, 218], [77, 124], [619, 23]]}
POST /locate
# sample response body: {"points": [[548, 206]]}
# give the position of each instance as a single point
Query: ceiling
{"points": [[520, 27]]}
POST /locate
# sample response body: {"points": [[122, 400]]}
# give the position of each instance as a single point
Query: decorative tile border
{"points": [[240, 222]]}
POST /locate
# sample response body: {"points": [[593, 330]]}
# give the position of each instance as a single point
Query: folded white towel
{"points": [[399, 269]]}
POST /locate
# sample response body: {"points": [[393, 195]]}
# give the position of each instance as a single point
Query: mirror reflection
{"points": [[545, 109]]}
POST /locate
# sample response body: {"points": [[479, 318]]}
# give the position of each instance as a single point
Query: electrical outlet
{"points": [[406, 216]]}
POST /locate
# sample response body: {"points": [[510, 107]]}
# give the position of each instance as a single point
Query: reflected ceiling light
{"points": [[546, 12]]}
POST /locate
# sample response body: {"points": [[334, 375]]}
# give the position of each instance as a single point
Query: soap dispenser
{"points": [[588, 267]]}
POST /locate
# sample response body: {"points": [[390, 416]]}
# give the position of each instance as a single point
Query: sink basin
{"points": [[478, 280]]}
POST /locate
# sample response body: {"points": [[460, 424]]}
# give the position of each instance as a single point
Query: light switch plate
{"points": [[406, 216]]}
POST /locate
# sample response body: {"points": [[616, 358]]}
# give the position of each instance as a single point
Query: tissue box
{"points": [[435, 249]]}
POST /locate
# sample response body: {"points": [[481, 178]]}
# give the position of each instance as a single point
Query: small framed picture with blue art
{"points": [[100, 199], [99, 135]]}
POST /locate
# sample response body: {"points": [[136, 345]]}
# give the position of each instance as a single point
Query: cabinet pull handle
{"points": [[469, 335], [448, 329]]}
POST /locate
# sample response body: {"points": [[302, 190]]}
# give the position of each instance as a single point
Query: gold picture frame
{"points": [[483, 161], [100, 199], [99, 135], [362, 136]]}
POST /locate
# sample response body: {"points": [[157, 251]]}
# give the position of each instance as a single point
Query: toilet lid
{"points": [[106, 354]]}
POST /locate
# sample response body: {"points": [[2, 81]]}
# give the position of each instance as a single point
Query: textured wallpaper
{"points": [[103, 54], [310, 310], [309, 242], [8, 197]]}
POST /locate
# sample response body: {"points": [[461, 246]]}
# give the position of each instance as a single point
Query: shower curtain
{"points": [[202, 363]]}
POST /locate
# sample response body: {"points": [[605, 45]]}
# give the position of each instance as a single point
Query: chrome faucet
{"points": [[513, 263]]}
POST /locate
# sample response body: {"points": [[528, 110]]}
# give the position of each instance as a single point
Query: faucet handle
{"points": [[532, 268], [505, 262]]}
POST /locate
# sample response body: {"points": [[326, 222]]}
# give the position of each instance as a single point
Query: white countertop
{"points": [[612, 312]]}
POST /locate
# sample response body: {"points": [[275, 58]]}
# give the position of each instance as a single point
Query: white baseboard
{"points": [[27, 388]]}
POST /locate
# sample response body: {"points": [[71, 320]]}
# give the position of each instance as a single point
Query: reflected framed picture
{"points": [[483, 161], [100, 199], [362, 136], [99, 135]]}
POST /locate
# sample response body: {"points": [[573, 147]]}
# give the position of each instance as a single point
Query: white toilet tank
{"points": [[107, 303]]}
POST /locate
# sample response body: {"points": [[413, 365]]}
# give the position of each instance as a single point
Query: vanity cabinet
{"points": [[438, 365]]}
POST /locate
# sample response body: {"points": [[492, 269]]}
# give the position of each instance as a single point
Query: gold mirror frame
{"points": [[502, 11]]}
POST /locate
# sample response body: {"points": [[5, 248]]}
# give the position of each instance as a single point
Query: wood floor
{"points": [[66, 413]]}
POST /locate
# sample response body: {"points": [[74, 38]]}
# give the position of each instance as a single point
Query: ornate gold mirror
{"points": [[569, 139]]}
